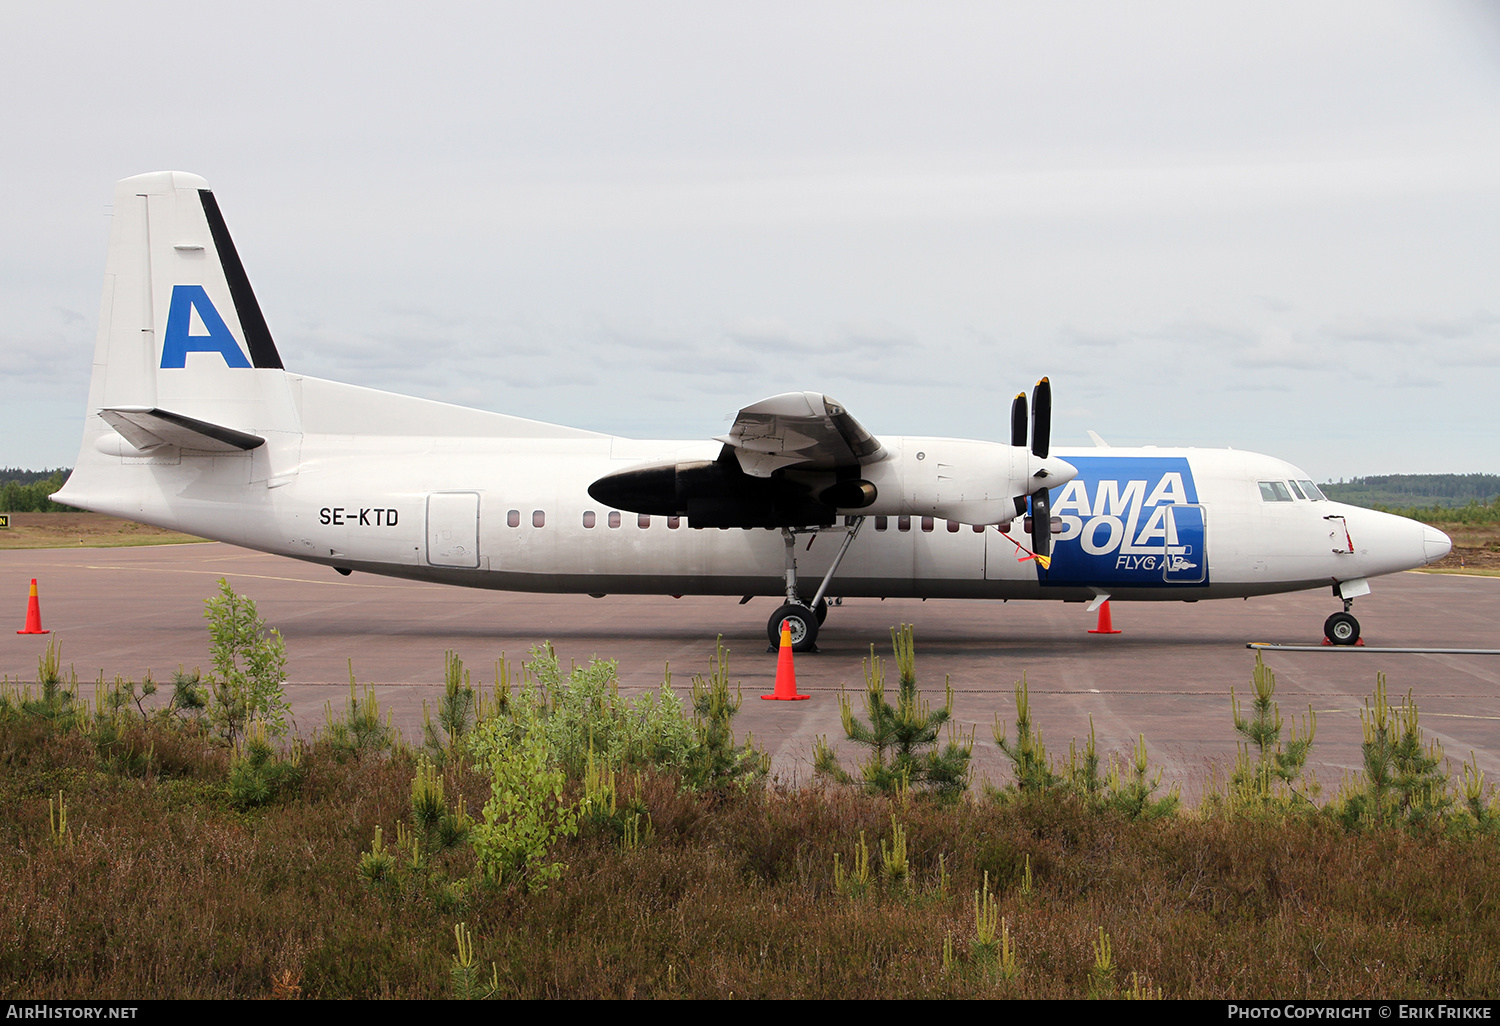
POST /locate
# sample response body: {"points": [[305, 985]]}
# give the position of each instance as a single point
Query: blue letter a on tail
{"points": [[178, 343]]}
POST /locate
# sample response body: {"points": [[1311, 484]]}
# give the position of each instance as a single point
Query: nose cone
{"points": [[1052, 472], [1435, 544]]}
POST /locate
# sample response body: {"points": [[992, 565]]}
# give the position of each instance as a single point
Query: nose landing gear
{"points": [[1341, 629]]}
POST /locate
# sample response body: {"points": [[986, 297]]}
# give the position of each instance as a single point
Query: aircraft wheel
{"points": [[804, 625], [822, 611], [1341, 629]]}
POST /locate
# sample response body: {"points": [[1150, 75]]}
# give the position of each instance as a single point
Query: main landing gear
{"points": [[804, 618]]}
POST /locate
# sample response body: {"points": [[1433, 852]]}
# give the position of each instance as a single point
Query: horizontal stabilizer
{"points": [[147, 428]]}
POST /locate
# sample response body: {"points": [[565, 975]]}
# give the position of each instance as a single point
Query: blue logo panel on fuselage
{"points": [[1129, 521]]}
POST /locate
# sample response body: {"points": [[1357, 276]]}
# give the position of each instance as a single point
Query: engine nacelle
{"points": [[970, 481]]}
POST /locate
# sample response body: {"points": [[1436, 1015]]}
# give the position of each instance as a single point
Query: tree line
{"points": [[27, 491]]}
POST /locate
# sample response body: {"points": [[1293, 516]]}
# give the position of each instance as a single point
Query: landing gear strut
{"points": [[804, 618]]}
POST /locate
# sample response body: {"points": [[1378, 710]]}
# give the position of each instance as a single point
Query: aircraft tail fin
{"points": [[184, 364]]}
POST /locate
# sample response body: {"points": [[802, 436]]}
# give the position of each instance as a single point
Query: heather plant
{"points": [[901, 738], [249, 666]]}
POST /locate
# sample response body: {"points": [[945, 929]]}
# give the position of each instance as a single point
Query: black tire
{"points": [[804, 623], [821, 611], [1341, 629]]}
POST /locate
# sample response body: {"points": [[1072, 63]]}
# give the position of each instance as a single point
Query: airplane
{"points": [[193, 424]]}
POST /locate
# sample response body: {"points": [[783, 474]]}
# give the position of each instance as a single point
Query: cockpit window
{"points": [[1275, 491], [1295, 490], [1312, 491]]}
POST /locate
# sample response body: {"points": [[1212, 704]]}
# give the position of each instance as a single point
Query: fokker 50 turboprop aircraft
{"points": [[194, 425]]}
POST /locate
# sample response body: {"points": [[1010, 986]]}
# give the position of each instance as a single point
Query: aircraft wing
{"points": [[806, 430]]}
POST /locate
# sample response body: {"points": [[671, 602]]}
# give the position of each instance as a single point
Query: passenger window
{"points": [[953, 526], [538, 518], [978, 528], [643, 521], [903, 523], [927, 524], [513, 518], [614, 518], [588, 518], [880, 523], [1274, 491], [673, 523]]}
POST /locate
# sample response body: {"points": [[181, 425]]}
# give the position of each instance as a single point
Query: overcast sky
{"points": [[1272, 226]]}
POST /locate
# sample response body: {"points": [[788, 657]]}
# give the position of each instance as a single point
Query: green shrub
{"points": [[249, 667], [527, 813]]}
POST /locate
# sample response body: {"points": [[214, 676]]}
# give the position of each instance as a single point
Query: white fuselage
{"points": [[194, 424], [509, 508]]}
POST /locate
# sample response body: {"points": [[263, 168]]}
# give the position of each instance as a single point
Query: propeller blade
{"points": [[1018, 438], [1041, 524], [1018, 420], [1041, 419]]}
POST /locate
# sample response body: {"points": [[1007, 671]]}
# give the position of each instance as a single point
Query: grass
{"points": [[160, 886], [88, 530]]}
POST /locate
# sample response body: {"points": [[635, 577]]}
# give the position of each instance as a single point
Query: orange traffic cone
{"points": [[1106, 625], [33, 613], [786, 676]]}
